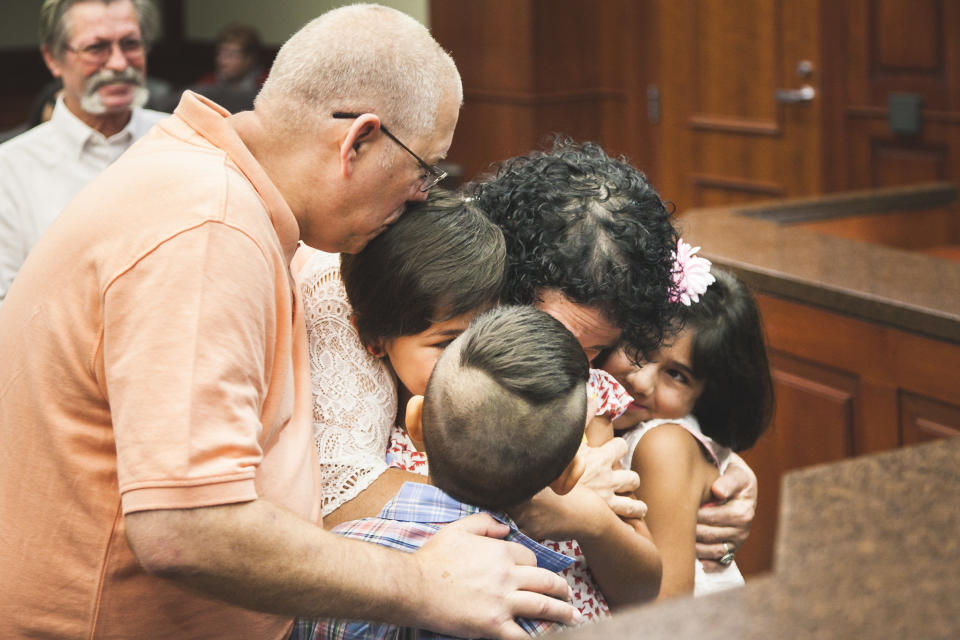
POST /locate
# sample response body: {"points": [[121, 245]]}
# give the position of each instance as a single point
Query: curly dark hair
{"points": [[591, 226]]}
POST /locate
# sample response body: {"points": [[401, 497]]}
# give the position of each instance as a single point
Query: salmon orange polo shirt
{"points": [[153, 357]]}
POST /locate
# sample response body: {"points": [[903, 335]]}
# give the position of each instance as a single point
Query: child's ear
{"points": [[376, 349], [413, 419], [570, 476]]}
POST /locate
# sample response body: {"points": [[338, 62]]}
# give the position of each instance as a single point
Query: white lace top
{"points": [[354, 394]]}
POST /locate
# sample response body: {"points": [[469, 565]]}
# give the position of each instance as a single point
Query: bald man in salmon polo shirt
{"points": [[157, 473]]}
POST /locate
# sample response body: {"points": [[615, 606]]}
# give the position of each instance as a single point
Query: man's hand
{"points": [[601, 476], [473, 586], [723, 525]]}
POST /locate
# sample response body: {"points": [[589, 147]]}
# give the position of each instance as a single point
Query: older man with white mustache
{"points": [[98, 48]]}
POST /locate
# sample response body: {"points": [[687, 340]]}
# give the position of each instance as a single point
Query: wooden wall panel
{"points": [[893, 22], [891, 47], [723, 43], [896, 163], [492, 47], [923, 419], [718, 190], [898, 58], [844, 387], [534, 68], [512, 122], [814, 423], [875, 157]]}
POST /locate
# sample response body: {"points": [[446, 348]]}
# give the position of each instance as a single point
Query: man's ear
{"points": [[358, 133], [413, 419], [570, 476], [52, 63]]}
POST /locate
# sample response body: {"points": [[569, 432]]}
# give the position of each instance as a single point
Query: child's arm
{"points": [[621, 555], [370, 501], [625, 565], [673, 476]]}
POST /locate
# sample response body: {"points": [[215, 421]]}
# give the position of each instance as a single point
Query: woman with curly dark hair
{"points": [[590, 242], [584, 228]]}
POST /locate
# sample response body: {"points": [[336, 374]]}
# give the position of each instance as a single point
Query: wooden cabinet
{"points": [[845, 387], [923, 419], [862, 323]]}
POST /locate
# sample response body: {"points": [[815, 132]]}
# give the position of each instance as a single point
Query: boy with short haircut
{"points": [[502, 418]]}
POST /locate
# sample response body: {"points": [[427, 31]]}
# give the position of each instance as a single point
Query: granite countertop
{"points": [[895, 287], [869, 548]]}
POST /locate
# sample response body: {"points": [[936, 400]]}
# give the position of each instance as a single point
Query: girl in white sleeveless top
{"points": [[706, 392]]}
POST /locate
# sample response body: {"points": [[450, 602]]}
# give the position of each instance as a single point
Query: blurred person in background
{"points": [[239, 73]]}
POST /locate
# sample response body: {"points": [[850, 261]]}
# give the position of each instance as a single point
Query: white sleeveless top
{"points": [[354, 394], [704, 582]]}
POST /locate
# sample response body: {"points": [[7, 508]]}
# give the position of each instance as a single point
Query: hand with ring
{"points": [[726, 521], [727, 557]]}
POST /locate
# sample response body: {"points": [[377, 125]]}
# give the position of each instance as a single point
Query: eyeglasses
{"points": [[432, 173], [100, 51]]}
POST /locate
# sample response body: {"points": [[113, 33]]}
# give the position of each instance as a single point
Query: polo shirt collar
{"points": [[423, 503], [210, 120]]}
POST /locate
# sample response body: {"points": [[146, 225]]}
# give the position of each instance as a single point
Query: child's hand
{"points": [[599, 431], [601, 476]]}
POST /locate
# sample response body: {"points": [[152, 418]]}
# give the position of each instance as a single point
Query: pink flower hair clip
{"points": [[691, 274]]}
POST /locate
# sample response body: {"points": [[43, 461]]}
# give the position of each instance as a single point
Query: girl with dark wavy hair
{"points": [[702, 395]]}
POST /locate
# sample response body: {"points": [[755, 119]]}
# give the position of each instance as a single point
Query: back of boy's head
{"points": [[441, 259], [505, 408], [728, 353]]}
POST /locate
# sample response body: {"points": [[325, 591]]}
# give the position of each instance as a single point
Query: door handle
{"points": [[806, 93]]}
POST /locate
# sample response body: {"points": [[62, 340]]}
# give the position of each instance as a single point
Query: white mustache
{"points": [[109, 76], [91, 102]]}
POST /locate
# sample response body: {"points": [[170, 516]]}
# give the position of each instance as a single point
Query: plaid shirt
{"points": [[406, 523]]}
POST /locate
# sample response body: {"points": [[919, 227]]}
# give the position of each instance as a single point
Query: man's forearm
{"points": [[261, 557], [462, 582]]}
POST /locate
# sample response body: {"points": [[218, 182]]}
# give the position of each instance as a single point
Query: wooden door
{"points": [[724, 136], [905, 51], [535, 68]]}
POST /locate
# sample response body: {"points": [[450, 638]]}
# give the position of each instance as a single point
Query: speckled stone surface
{"points": [[903, 289], [868, 548]]}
